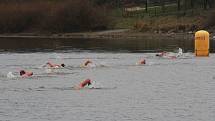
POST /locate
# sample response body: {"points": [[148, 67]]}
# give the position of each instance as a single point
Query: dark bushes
{"points": [[46, 16], [17, 17], [210, 20]]}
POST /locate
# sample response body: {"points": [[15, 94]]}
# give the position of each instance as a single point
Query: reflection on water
{"points": [[113, 45]]}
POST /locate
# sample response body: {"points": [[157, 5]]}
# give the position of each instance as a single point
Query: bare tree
{"points": [[146, 5]]}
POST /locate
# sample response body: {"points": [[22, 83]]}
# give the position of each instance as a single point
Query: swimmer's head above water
{"points": [[84, 83], [25, 74], [63, 65], [49, 64], [157, 55], [22, 72], [161, 54], [142, 61], [87, 62]]}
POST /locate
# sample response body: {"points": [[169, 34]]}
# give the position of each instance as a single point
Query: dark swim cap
{"points": [[22, 72], [63, 65], [89, 83]]}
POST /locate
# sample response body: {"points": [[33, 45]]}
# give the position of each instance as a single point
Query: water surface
{"points": [[162, 90], [96, 45]]}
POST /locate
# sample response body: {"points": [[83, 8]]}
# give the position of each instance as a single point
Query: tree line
{"points": [[53, 16]]}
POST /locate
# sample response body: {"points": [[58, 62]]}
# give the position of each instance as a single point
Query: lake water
{"points": [[181, 89], [147, 45], [96, 45]]}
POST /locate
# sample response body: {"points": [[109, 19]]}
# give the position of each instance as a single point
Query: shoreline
{"points": [[107, 34]]}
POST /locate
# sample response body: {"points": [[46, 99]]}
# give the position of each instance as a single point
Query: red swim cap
{"points": [[87, 80]]}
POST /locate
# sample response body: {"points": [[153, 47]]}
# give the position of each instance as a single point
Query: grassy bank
{"points": [[171, 21]]}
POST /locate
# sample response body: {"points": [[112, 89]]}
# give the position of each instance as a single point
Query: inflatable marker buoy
{"points": [[202, 43]]}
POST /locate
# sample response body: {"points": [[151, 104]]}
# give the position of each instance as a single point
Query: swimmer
{"points": [[88, 63], [175, 55], [25, 74], [162, 54], [83, 84], [141, 62], [171, 55], [51, 65], [165, 54]]}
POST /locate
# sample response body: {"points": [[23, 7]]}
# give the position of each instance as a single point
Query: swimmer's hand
{"points": [[82, 66]]}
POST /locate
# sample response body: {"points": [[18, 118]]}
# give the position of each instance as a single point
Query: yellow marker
{"points": [[202, 43]]}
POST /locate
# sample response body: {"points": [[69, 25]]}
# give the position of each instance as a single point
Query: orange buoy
{"points": [[202, 43]]}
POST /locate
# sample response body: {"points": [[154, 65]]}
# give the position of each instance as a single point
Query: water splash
{"points": [[11, 75]]}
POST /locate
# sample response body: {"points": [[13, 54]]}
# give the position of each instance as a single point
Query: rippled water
{"points": [[149, 44], [162, 90]]}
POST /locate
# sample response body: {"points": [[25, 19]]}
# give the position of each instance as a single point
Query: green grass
{"points": [[154, 11], [125, 23], [155, 14]]}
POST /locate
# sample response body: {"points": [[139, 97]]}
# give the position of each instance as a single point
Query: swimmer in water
{"points": [[25, 73], [170, 55], [83, 84], [141, 62], [166, 55], [88, 63], [51, 65], [162, 54]]}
